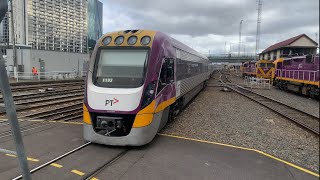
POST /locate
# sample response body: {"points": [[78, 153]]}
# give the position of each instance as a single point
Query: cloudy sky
{"points": [[209, 24]]}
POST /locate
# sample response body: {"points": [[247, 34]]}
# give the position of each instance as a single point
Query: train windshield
{"points": [[120, 68], [270, 65]]}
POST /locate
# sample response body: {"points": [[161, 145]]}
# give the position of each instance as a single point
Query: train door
{"points": [[165, 87]]}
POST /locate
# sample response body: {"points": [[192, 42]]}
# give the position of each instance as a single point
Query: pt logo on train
{"points": [[111, 101]]}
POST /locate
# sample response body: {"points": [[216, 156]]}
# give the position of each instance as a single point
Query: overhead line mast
{"points": [[259, 8]]}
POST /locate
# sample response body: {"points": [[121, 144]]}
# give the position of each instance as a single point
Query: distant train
{"points": [[137, 81], [261, 69], [299, 74]]}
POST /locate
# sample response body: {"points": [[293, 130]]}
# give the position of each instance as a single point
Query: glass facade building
{"points": [[94, 22]]}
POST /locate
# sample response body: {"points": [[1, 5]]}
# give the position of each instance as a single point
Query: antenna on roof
{"points": [[259, 8]]}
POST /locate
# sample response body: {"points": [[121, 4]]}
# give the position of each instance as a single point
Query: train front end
{"points": [[265, 69], [118, 106]]}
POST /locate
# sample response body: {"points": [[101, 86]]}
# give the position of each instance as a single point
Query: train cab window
{"points": [[166, 74], [309, 59], [287, 62], [270, 65], [120, 68], [262, 65]]}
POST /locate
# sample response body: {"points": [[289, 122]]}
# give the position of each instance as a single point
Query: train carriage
{"points": [[137, 80], [299, 74]]}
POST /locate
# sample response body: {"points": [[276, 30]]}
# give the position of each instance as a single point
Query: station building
{"points": [[51, 35], [298, 45]]}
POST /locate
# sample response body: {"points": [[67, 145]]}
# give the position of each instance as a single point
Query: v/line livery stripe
{"points": [[248, 149]]}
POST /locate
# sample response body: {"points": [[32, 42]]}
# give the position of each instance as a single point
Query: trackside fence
{"points": [[44, 76], [254, 82]]}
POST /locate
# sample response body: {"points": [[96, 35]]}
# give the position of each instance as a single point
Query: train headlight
{"points": [[132, 40], [107, 40], [119, 40], [145, 40], [148, 95]]}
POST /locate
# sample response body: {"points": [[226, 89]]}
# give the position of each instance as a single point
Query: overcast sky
{"points": [[207, 24]]}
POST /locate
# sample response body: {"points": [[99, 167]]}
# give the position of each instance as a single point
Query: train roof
{"points": [[152, 33], [186, 48]]}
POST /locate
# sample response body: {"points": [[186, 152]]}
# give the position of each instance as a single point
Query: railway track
{"points": [[33, 95], [64, 113], [27, 87], [35, 82], [36, 87], [60, 111], [54, 160], [41, 104], [303, 119], [107, 164], [88, 176]]}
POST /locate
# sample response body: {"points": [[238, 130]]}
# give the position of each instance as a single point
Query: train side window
{"points": [[170, 70], [166, 74], [309, 59]]}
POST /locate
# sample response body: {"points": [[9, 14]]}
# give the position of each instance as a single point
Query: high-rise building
{"points": [[94, 22], [57, 25], [4, 34], [52, 35]]}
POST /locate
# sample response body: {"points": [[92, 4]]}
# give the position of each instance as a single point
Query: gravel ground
{"points": [[230, 118], [303, 103]]}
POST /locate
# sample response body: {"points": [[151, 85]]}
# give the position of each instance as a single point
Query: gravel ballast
{"points": [[301, 102], [230, 118]]}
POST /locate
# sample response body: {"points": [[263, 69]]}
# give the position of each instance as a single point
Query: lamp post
{"points": [[240, 38]]}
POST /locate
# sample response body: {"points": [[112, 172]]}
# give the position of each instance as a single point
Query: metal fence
{"points": [[253, 82], [299, 74], [44, 76]]}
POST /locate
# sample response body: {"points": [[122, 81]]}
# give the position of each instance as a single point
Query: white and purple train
{"points": [[137, 81]]}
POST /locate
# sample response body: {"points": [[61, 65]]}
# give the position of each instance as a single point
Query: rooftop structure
{"points": [[298, 45]]}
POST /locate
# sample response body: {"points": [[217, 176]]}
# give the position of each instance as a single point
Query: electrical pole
{"points": [[11, 109], [259, 8], [317, 42], [13, 37], [239, 38], [225, 47]]}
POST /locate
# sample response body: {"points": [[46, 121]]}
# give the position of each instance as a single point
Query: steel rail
{"points": [[32, 125], [271, 102], [48, 104], [43, 94], [107, 164], [50, 98], [54, 160]]}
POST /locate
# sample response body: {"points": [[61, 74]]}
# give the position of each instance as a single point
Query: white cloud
{"points": [[208, 24]]}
